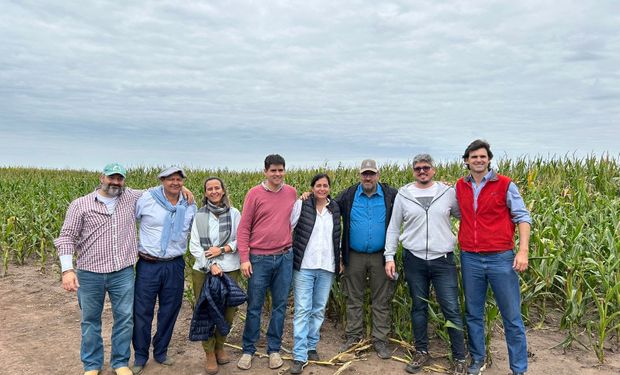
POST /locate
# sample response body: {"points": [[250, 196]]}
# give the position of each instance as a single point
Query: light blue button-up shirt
{"points": [[514, 201], [151, 216], [367, 228]]}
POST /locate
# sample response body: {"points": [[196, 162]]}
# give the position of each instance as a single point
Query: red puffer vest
{"points": [[490, 227]]}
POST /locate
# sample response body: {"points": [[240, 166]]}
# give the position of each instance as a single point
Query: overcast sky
{"points": [[214, 84]]}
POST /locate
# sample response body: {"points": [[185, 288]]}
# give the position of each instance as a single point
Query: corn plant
{"points": [[574, 247]]}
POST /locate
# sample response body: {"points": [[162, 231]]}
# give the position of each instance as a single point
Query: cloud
{"points": [[319, 80]]}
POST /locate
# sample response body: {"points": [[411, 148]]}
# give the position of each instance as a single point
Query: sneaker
{"points": [[460, 367], [419, 360], [137, 369], [476, 367], [518, 373], [167, 362], [123, 371], [351, 341], [91, 372], [382, 349], [275, 361], [313, 355], [245, 362], [298, 367]]}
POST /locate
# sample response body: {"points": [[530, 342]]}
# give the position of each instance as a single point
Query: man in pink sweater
{"points": [[264, 243]]}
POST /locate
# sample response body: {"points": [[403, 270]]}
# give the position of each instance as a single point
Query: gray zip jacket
{"points": [[426, 233]]}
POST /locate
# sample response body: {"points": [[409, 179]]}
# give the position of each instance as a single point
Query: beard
{"points": [[369, 187], [425, 183], [112, 190]]}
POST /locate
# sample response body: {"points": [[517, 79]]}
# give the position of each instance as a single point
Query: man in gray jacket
{"points": [[423, 209]]}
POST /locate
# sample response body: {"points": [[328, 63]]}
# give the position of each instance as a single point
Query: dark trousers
{"points": [[361, 266], [441, 272], [163, 282]]}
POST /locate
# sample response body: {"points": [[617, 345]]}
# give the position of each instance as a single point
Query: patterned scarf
{"points": [[202, 222]]}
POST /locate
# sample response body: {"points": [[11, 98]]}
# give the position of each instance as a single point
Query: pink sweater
{"points": [[265, 226]]}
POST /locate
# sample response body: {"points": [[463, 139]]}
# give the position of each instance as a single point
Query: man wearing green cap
{"points": [[100, 228]]}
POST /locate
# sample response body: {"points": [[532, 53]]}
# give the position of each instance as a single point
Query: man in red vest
{"points": [[491, 207]]}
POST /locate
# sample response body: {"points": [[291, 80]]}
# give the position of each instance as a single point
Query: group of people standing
{"points": [[280, 241]]}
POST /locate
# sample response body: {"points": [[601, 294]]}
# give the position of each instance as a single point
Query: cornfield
{"points": [[574, 271]]}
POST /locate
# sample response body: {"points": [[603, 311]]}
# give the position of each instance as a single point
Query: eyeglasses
{"points": [[368, 174], [425, 168]]}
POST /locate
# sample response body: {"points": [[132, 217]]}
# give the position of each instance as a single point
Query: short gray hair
{"points": [[419, 158]]}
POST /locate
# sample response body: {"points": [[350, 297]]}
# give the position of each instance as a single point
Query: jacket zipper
{"points": [[426, 214]]}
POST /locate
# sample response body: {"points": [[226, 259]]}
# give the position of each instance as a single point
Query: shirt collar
{"points": [[326, 208], [360, 190], [490, 176], [99, 198], [264, 185]]}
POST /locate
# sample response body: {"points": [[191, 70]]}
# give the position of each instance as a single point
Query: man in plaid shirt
{"points": [[100, 228]]}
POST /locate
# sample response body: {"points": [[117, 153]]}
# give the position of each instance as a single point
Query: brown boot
{"points": [[222, 356], [211, 364]]}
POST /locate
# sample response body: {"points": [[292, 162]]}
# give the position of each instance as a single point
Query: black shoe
{"points": [[518, 373], [313, 355], [351, 341], [382, 349], [460, 367], [476, 367], [419, 360], [298, 367]]}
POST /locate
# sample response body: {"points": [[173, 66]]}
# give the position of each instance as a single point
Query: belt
{"points": [[151, 259], [277, 252], [365, 252], [284, 250], [486, 253]]}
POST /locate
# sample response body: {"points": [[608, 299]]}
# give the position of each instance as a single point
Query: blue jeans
{"points": [[163, 282], [273, 272], [419, 274], [311, 288], [91, 295], [478, 272]]}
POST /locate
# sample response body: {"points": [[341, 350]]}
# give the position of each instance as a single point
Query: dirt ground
{"points": [[40, 334]]}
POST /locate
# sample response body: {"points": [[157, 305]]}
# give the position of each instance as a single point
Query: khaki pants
{"points": [[217, 341], [363, 266]]}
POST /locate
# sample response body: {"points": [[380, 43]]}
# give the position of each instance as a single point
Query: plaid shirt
{"points": [[104, 242]]}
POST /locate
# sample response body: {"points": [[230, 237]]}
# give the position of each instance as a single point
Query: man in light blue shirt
{"points": [[165, 219]]}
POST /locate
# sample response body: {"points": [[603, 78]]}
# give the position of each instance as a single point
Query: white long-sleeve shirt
{"points": [[228, 261], [319, 253]]}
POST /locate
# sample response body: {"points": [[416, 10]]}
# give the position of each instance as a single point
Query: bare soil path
{"points": [[40, 334]]}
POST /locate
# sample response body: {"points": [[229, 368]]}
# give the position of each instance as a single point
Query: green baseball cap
{"points": [[114, 168]]}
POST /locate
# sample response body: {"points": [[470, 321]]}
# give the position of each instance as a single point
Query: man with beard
{"points": [[100, 228], [421, 223], [366, 208]]}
